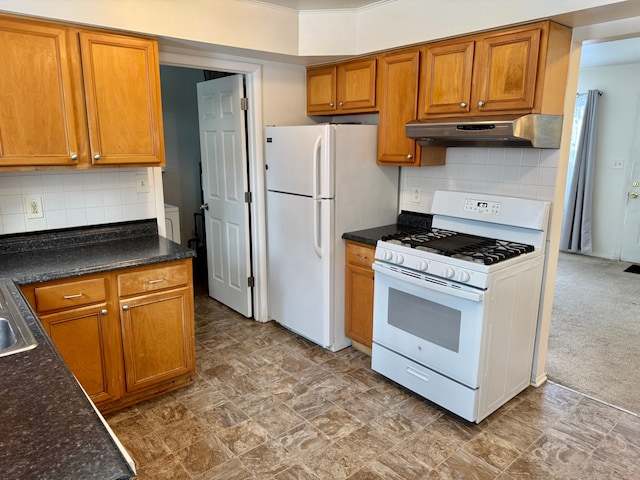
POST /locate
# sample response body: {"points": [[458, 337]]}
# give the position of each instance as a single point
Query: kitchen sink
{"points": [[15, 335]]}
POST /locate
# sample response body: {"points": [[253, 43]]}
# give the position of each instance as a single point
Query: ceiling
{"points": [[320, 4], [615, 52]]}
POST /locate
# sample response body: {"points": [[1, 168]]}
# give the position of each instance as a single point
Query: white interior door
{"points": [[224, 183], [630, 248]]}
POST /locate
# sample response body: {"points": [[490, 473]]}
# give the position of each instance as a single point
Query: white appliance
{"points": [[322, 181], [172, 222], [456, 306]]}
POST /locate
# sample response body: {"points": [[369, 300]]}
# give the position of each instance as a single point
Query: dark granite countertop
{"points": [[408, 222], [48, 427]]}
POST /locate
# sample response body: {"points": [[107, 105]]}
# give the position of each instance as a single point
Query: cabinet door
{"points": [[506, 71], [397, 101], [445, 83], [321, 90], [121, 80], [37, 106], [359, 293], [158, 337], [87, 338], [356, 87]]}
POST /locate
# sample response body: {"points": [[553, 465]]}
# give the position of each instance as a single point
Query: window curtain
{"points": [[576, 222]]}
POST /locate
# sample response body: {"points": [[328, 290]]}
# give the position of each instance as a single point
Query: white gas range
{"points": [[456, 305]]}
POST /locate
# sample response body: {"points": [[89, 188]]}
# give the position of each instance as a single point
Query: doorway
{"points": [[252, 74], [584, 321]]}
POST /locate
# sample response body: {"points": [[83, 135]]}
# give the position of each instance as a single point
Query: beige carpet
{"points": [[594, 342]]}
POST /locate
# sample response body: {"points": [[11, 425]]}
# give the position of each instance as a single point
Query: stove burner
{"points": [[462, 246]]}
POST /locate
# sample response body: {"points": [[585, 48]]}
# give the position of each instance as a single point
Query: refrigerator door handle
{"points": [[317, 146], [317, 232]]}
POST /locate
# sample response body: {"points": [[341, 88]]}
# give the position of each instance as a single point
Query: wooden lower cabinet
{"points": [[359, 293], [126, 335], [87, 338], [157, 334]]}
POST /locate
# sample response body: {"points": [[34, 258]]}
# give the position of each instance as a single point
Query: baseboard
{"points": [[539, 380]]}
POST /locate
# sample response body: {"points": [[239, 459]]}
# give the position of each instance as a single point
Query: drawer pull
{"points": [[363, 257], [69, 297], [103, 312], [125, 308], [160, 280]]}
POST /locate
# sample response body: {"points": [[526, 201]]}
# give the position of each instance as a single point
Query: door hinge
{"points": [[247, 197], [251, 282], [244, 104]]}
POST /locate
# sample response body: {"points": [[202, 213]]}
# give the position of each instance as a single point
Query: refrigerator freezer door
{"points": [[299, 160], [300, 290]]}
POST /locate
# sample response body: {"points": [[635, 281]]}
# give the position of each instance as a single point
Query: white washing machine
{"points": [[172, 219]]}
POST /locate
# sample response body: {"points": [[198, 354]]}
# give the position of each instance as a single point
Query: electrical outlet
{"points": [[33, 205], [617, 164], [416, 195], [142, 184]]}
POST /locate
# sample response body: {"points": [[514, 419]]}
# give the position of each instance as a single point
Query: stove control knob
{"points": [[422, 265], [399, 259], [464, 276], [449, 272], [387, 256]]}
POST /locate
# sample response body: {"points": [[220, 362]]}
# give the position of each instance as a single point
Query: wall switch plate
{"points": [[142, 184], [416, 195], [33, 205]]}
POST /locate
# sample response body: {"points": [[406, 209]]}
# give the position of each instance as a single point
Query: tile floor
{"points": [[267, 404]]}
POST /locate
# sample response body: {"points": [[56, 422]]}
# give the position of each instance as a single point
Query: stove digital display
{"points": [[481, 206]]}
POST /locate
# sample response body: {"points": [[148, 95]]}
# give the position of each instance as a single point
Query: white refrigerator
{"points": [[322, 181]]}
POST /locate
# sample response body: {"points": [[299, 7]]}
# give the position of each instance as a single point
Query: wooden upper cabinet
{"points": [[348, 87], [37, 104], [356, 87], [321, 90], [514, 70], [506, 72], [397, 100], [446, 74], [121, 82], [47, 118]]}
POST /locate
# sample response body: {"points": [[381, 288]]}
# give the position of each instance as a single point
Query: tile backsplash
{"points": [[516, 172], [75, 198]]}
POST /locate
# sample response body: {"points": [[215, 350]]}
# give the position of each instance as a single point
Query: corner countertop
{"points": [[48, 427], [408, 222], [370, 236]]}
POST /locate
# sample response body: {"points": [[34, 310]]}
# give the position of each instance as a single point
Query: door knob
{"points": [[633, 194], [204, 206]]}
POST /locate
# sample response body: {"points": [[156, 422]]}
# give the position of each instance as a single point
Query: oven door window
{"points": [[437, 324]]}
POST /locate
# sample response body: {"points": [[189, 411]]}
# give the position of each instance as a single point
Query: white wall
{"points": [[617, 109], [75, 198]]}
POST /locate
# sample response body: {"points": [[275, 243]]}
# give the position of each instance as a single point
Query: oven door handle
{"points": [[473, 296]]}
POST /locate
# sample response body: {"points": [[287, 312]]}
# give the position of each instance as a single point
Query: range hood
{"points": [[533, 130]]}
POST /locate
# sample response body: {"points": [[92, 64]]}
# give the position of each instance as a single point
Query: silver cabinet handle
{"points": [[125, 308], [74, 156], [463, 104], [340, 104], [96, 156], [409, 156], [331, 104], [480, 103], [69, 297], [103, 312], [160, 280]]}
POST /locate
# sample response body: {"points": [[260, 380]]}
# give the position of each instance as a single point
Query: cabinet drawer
{"points": [[70, 294], [153, 279], [360, 254]]}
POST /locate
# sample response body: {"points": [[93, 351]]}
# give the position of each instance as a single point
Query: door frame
{"points": [[255, 141]]}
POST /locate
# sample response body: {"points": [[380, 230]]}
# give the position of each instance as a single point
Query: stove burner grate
{"points": [[460, 245]]}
